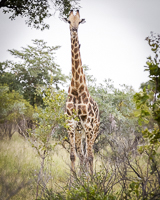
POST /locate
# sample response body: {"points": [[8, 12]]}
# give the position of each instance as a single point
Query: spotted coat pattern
{"points": [[80, 101]]}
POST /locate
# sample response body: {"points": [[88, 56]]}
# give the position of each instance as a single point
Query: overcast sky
{"points": [[112, 39]]}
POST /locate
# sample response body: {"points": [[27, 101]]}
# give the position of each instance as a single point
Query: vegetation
{"points": [[37, 11], [34, 158]]}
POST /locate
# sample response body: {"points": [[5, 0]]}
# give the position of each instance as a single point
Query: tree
{"points": [[13, 108], [9, 79], [148, 104], [34, 68], [36, 11], [148, 100], [47, 121]]}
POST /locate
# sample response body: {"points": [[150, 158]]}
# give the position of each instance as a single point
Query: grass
{"points": [[19, 163]]}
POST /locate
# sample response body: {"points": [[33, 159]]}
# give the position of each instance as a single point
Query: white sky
{"points": [[112, 39]]}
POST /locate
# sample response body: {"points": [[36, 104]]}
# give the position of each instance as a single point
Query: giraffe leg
{"points": [[90, 138], [71, 134], [79, 147]]}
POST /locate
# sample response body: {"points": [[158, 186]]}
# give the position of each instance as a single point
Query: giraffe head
{"points": [[74, 21]]}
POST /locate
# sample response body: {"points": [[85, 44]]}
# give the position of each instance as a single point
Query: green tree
{"points": [[148, 100], [47, 122], [9, 79], [34, 68], [148, 105], [37, 11], [13, 108], [117, 109]]}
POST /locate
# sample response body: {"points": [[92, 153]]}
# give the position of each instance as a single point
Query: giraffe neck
{"points": [[78, 82]]}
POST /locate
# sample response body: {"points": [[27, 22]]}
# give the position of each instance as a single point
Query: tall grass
{"points": [[20, 164]]}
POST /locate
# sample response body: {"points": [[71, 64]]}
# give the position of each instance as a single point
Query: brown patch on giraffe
{"points": [[72, 74], [79, 110], [91, 113], [85, 100], [76, 64], [77, 76], [92, 122], [72, 47], [77, 84], [76, 56], [89, 107], [68, 112], [80, 61], [91, 100], [72, 83], [72, 54], [82, 70], [75, 44], [69, 90], [74, 92], [84, 110], [84, 79], [79, 100], [87, 91], [75, 50], [79, 70], [70, 105], [81, 89], [84, 117], [88, 120], [84, 95], [81, 81], [73, 70]]}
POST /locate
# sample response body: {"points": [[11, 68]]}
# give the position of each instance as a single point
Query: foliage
{"points": [[148, 104], [116, 107], [12, 108], [47, 120], [148, 100], [34, 68], [37, 11], [9, 79]]}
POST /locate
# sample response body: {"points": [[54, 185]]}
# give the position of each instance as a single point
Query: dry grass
{"points": [[19, 163]]}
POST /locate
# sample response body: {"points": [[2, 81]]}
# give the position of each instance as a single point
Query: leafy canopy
{"points": [[37, 11], [33, 69]]}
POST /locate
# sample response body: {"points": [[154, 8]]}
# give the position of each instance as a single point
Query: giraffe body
{"points": [[80, 101]]}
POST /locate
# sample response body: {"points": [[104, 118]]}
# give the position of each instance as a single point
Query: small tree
{"points": [[13, 108], [148, 104], [34, 67], [47, 120]]}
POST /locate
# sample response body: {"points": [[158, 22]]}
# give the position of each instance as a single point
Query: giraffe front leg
{"points": [[71, 134], [79, 148], [90, 138]]}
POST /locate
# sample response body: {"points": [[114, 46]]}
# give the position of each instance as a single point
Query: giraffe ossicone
{"points": [[80, 101]]}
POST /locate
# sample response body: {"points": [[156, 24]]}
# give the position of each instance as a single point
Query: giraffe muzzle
{"points": [[74, 29]]}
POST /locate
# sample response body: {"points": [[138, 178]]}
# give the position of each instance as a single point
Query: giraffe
{"points": [[80, 101]]}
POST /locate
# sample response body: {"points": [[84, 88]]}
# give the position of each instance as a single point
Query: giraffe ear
{"points": [[66, 20], [82, 21]]}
